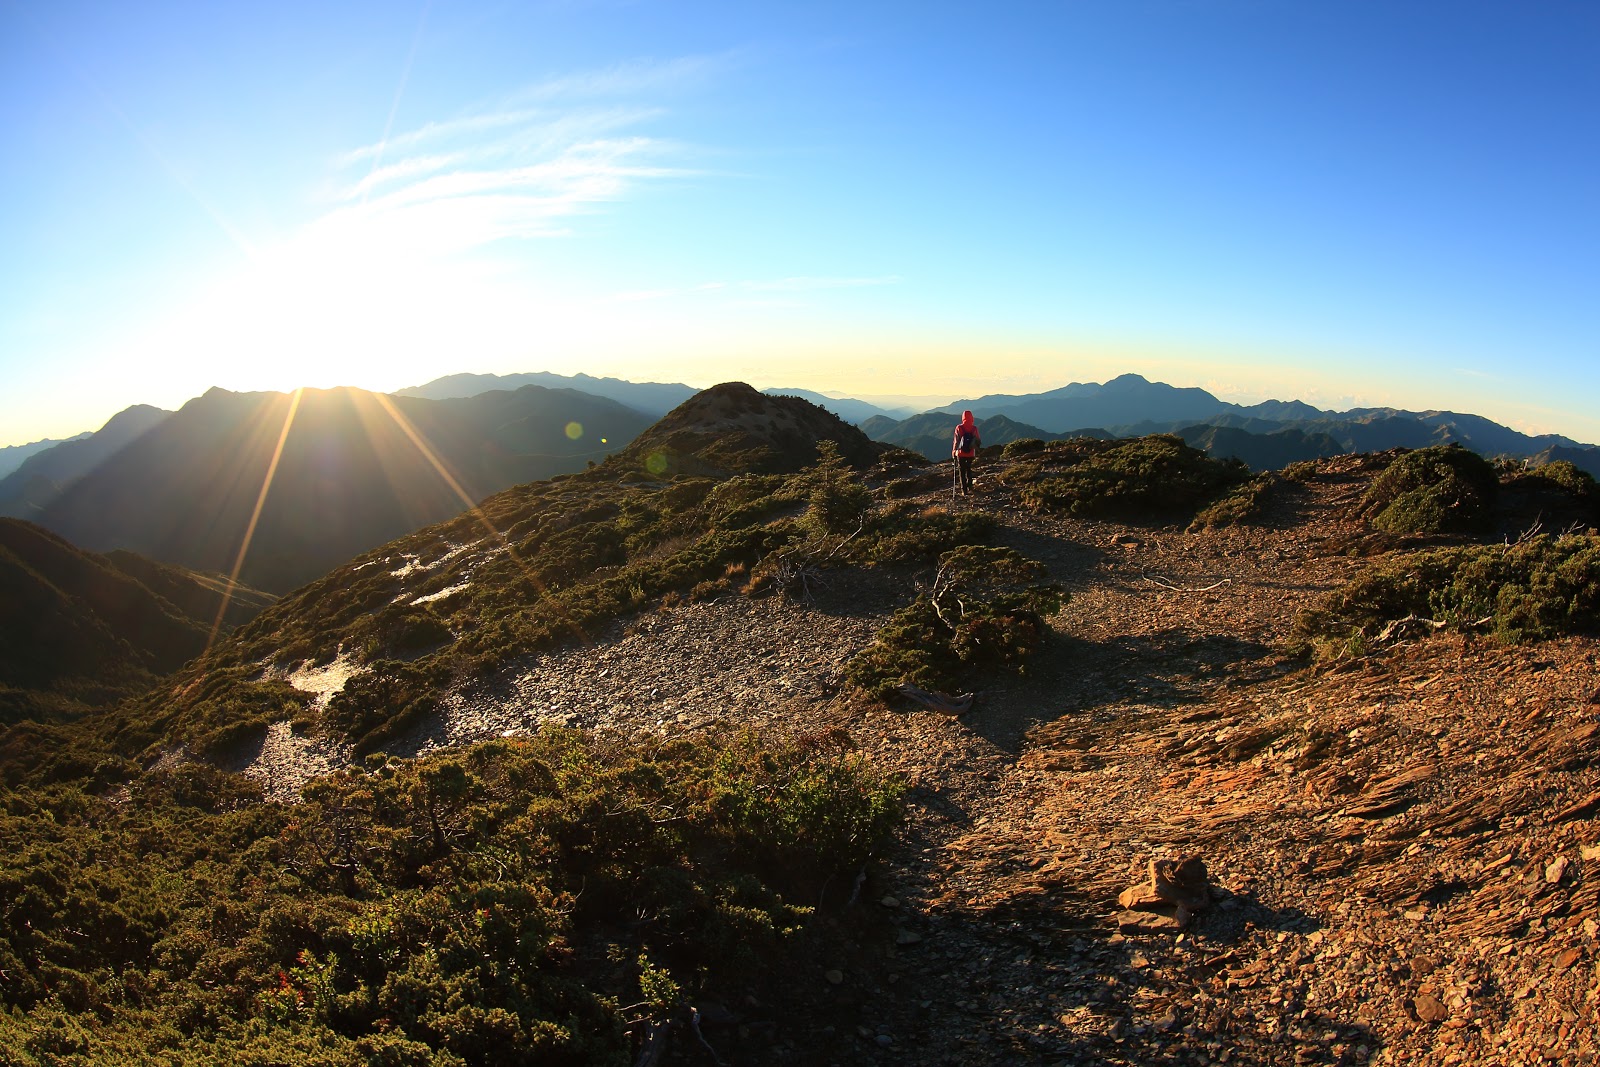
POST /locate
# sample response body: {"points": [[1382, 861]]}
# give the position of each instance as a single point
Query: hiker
{"points": [[963, 447]]}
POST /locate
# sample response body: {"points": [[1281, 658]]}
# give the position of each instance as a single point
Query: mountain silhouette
{"points": [[12, 456], [285, 486], [848, 409], [1132, 406], [652, 398], [732, 428], [38, 480], [1125, 399], [928, 434]]}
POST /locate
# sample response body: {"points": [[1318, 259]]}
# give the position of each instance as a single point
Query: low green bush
{"points": [[1023, 446], [1243, 503], [1536, 589], [1140, 477], [498, 905], [1443, 489], [985, 611]]}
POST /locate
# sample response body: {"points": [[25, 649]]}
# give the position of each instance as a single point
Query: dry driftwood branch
{"points": [[694, 1025], [655, 1044], [1392, 629], [938, 701], [855, 890], [1170, 587], [1529, 534]]}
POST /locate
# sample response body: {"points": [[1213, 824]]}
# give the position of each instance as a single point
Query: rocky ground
{"points": [[1399, 848]]}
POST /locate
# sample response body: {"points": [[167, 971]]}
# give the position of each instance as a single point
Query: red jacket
{"points": [[968, 427]]}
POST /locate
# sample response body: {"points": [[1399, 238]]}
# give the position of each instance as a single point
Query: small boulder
{"points": [[1176, 889]]}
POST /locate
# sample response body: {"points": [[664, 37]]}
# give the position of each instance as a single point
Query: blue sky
{"points": [[1347, 203]]}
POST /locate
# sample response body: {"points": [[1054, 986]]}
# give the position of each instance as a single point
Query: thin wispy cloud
{"points": [[631, 78], [811, 284], [561, 148], [738, 289]]}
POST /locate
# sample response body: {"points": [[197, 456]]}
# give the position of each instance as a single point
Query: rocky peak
{"points": [[732, 428]]}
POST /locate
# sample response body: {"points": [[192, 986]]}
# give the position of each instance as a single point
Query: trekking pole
{"points": [[955, 479]]}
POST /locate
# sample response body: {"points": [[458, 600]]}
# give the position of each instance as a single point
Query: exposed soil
{"points": [[1399, 848]]}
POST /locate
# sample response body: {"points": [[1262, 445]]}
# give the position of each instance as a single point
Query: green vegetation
{"points": [[1242, 504], [1444, 489], [1539, 588], [1023, 446], [519, 902], [535, 567], [985, 611], [1140, 477]]}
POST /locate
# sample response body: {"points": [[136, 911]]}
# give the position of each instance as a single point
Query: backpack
{"points": [[965, 439]]}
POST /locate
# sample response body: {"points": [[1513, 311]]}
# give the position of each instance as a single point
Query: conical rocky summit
{"points": [[732, 428]]}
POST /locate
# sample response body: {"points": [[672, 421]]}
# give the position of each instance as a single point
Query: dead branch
{"points": [[1529, 534], [694, 1025], [1171, 588], [855, 890], [939, 702], [1393, 628], [655, 1044]]}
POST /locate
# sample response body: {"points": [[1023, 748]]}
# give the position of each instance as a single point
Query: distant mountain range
{"points": [[11, 456], [357, 469], [850, 410], [1266, 435], [651, 398], [930, 432], [309, 485], [42, 477]]}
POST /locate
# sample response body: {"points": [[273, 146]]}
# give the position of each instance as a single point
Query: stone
{"points": [[1429, 1009], [1147, 922], [1174, 891], [890, 902], [1555, 870], [834, 976]]}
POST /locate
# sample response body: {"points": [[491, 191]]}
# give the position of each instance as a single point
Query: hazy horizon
{"points": [[1352, 205], [881, 399]]}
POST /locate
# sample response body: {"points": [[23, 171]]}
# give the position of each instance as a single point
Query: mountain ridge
{"points": [[44, 476], [356, 469]]}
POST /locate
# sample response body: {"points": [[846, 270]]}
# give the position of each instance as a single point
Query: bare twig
{"points": [[938, 701], [1529, 534], [694, 1025], [855, 890], [1170, 587], [655, 1044]]}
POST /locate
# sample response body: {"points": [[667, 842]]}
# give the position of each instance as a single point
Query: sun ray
{"points": [[421, 444], [255, 516]]}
